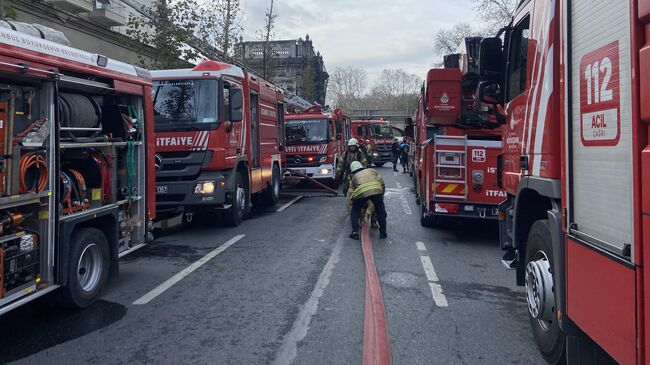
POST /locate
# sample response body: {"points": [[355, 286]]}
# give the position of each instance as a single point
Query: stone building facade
{"points": [[97, 26], [294, 65]]}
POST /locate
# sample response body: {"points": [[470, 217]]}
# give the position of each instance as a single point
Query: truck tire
{"points": [[540, 294], [87, 269], [424, 220], [271, 195], [236, 213]]}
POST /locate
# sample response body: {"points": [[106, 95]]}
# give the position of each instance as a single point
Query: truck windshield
{"points": [[185, 104], [307, 131], [379, 130]]}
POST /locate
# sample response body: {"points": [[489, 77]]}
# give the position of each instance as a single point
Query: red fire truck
{"points": [[571, 87], [457, 144], [380, 133], [218, 135], [76, 177], [314, 141]]}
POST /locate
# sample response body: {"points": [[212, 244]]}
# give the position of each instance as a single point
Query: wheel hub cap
{"points": [[241, 201], [89, 268], [539, 289]]}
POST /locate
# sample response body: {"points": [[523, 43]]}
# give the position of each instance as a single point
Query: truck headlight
{"points": [[324, 171], [375, 154], [204, 187]]}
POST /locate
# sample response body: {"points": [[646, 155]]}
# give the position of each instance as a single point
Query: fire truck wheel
{"points": [[235, 214], [88, 268], [540, 294], [272, 193], [427, 221]]}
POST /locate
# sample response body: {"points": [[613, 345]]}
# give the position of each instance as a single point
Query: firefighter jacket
{"points": [[348, 157], [365, 183]]}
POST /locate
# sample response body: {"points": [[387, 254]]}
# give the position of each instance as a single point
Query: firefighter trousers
{"points": [[380, 209]]}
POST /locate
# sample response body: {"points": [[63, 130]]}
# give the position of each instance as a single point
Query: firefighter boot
{"points": [[354, 235]]}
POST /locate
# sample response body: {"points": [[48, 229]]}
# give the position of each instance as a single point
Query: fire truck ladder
{"points": [[453, 186]]}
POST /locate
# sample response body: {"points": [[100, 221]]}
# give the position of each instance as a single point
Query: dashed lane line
{"points": [[289, 349], [145, 299], [436, 289], [292, 202]]}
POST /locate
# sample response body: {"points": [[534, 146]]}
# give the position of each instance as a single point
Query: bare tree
{"points": [[266, 35], [495, 13], [395, 89], [448, 40], [347, 85]]}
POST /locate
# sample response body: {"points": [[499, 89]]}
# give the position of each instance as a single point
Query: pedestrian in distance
{"points": [[352, 154], [405, 148], [366, 186], [395, 148]]}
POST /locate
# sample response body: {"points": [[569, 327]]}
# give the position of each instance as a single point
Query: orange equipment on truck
{"points": [[457, 145], [380, 133], [59, 107], [571, 86], [218, 134], [314, 142]]}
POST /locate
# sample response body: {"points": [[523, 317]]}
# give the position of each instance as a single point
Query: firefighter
{"points": [[405, 149], [369, 152], [353, 153], [395, 148], [366, 186]]}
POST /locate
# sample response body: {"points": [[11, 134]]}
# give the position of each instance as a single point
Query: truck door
{"points": [[255, 130], [601, 246]]}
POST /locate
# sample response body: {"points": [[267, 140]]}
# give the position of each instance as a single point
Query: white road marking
{"points": [[438, 296], [288, 351], [436, 289], [421, 246], [292, 202], [428, 268], [188, 270]]}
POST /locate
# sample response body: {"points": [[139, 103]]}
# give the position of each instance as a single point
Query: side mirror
{"points": [[489, 92], [491, 62], [236, 105]]}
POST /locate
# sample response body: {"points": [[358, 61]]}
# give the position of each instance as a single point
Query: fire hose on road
{"points": [[295, 177], [376, 342]]}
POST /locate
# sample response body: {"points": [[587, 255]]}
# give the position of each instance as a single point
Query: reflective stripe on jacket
{"points": [[365, 183]]}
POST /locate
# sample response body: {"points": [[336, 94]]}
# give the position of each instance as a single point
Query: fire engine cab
{"points": [[314, 142], [218, 135], [381, 135], [570, 84]]}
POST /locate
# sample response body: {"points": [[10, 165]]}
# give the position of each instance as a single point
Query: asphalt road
{"points": [[291, 290]]}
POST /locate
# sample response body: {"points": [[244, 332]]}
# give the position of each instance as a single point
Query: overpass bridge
{"points": [[395, 116]]}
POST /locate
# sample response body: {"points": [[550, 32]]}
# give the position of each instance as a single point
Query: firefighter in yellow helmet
{"points": [[366, 185], [353, 153]]}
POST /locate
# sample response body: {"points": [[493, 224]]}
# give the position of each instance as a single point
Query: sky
{"points": [[372, 34]]}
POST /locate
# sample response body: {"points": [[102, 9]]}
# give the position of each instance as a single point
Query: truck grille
{"points": [[179, 166], [383, 147]]}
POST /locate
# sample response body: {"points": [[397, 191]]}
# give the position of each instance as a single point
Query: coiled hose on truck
{"points": [[79, 111]]}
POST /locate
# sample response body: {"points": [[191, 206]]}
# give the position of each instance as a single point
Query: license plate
{"points": [[161, 189]]}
